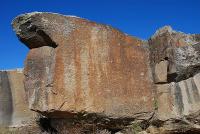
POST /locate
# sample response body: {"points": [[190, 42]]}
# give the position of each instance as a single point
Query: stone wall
{"points": [[14, 110]]}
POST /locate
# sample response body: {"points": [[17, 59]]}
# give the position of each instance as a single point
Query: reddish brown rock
{"points": [[78, 66], [84, 71]]}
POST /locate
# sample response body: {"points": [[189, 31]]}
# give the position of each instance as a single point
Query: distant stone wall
{"points": [[13, 99]]}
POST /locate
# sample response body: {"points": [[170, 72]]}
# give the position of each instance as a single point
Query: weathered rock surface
{"points": [[178, 91], [180, 50], [78, 66], [87, 72], [181, 98], [14, 109]]}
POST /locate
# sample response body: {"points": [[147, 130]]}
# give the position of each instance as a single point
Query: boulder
{"points": [[179, 99], [160, 74], [78, 71], [78, 67], [187, 61], [177, 49], [175, 58]]}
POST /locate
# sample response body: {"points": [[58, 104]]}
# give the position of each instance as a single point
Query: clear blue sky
{"points": [[136, 17]]}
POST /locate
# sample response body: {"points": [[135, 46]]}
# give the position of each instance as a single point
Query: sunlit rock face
{"points": [[181, 98], [14, 109], [78, 69], [175, 64]]}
